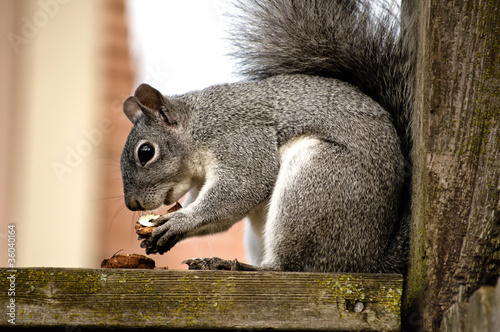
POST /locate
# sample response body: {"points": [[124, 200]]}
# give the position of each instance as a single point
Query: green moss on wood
{"points": [[134, 298]]}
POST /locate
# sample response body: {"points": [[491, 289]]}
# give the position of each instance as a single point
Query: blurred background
{"points": [[66, 66]]}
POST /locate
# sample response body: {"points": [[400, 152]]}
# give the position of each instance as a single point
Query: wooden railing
{"points": [[131, 298]]}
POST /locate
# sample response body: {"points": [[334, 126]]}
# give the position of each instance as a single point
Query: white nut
{"points": [[145, 220]]}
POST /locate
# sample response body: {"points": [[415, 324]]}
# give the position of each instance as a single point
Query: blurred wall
{"points": [[65, 69], [53, 95], [8, 152]]}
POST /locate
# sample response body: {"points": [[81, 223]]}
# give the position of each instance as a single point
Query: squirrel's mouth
{"points": [[168, 197]]}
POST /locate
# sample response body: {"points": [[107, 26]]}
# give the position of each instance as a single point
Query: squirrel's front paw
{"points": [[165, 236]]}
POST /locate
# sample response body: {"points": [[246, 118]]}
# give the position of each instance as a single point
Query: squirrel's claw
{"points": [[165, 236]]}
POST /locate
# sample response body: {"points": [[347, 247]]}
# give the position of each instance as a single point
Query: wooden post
{"points": [[455, 244]]}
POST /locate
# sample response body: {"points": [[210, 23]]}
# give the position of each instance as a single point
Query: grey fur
{"points": [[317, 163]]}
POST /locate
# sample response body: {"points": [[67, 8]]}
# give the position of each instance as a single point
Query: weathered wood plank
{"points": [[480, 306], [480, 314], [455, 318], [495, 312], [56, 297]]}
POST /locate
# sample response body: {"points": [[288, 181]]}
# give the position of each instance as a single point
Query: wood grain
{"points": [[111, 298], [455, 244]]}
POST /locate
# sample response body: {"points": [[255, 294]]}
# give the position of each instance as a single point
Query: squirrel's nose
{"points": [[133, 204]]}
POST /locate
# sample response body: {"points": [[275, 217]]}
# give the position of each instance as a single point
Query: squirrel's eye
{"points": [[145, 153]]}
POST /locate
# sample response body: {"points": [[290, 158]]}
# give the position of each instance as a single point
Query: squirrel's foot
{"points": [[216, 263]]}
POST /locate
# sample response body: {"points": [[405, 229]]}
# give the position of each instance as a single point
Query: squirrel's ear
{"points": [[148, 97], [131, 109], [153, 104]]}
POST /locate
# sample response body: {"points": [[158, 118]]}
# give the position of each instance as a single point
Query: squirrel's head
{"points": [[154, 158]]}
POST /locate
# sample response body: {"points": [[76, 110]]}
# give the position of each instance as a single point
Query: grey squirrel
{"points": [[313, 148]]}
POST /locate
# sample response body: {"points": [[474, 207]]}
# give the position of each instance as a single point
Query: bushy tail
{"points": [[359, 41]]}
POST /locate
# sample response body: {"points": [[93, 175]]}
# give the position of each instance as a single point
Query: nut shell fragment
{"points": [[143, 231], [144, 227], [128, 261]]}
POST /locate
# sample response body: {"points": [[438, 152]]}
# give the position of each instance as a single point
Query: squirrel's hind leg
{"points": [[320, 218], [216, 263], [329, 210], [293, 194]]}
